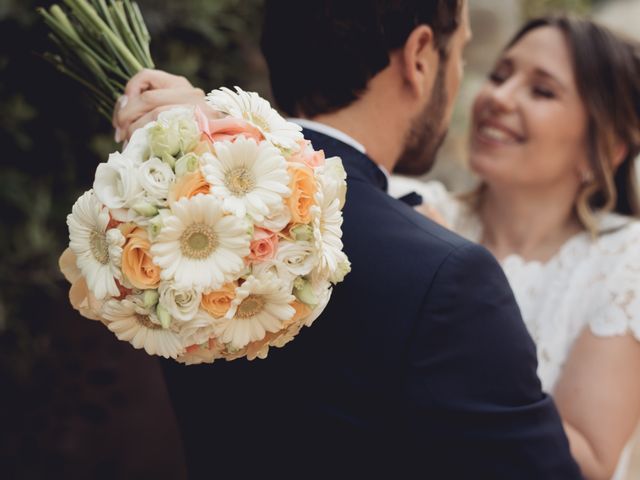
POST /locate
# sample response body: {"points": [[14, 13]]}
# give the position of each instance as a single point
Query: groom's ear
{"points": [[420, 61]]}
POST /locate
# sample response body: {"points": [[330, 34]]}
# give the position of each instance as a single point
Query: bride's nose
{"points": [[502, 97]]}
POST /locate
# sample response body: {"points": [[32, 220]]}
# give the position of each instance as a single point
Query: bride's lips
{"points": [[492, 132]]}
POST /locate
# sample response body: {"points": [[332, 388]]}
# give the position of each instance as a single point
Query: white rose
{"points": [[181, 303], [156, 177], [138, 146], [278, 219], [272, 267], [198, 330], [296, 258], [116, 183]]}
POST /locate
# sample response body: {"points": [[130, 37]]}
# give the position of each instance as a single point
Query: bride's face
{"points": [[529, 123]]}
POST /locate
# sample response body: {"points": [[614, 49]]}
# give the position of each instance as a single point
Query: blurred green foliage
{"points": [[534, 8]]}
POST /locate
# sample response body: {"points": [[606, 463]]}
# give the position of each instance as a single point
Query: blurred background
{"points": [[74, 401]]}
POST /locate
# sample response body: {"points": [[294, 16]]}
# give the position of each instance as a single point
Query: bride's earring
{"points": [[586, 176]]}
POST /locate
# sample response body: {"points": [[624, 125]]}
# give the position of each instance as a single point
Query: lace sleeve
{"points": [[618, 285]]}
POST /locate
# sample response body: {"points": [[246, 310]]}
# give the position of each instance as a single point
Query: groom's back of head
{"points": [[322, 53]]}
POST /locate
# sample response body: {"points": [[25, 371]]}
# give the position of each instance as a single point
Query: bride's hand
{"points": [[433, 214], [148, 93]]}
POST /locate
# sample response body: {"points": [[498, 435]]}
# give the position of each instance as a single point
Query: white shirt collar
{"points": [[337, 134]]}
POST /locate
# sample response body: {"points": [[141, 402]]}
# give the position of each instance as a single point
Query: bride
{"points": [[555, 132]]}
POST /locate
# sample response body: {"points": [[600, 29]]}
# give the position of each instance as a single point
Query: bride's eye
{"points": [[497, 78], [499, 75], [543, 92]]}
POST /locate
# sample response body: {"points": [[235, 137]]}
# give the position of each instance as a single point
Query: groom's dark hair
{"points": [[322, 53]]}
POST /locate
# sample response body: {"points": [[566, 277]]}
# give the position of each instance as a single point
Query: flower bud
{"points": [[163, 316], [304, 292], [150, 298], [302, 233], [163, 141], [145, 209], [187, 164], [155, 225]]}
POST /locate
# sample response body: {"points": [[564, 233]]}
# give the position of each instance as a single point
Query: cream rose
{"points": [[156, 177], [181, 303], [116, 184], [294, 258]]}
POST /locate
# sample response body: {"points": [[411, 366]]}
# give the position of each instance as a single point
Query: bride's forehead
{"points": [[542, 49]]}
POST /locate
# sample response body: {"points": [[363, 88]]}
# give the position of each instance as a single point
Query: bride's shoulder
{"points": [[457, 213], [619, 232], [614, 281], [432, 191]]}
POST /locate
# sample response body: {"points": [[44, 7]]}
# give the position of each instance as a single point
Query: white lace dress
{"points": [[594, 283]]}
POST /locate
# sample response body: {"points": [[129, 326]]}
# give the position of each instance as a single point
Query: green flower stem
{"points": [[102, 44], [101, 6], [70, 36], [83, 9], [140, 30], [143, 29], [125, 30], [117, 86]]}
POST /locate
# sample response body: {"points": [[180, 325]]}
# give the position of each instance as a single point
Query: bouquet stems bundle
{"points": [[102, 45]]}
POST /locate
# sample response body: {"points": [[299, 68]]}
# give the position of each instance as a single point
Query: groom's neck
{"points": [[380, 134]]}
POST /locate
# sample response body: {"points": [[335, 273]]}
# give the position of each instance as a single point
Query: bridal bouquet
{"points": [[213, 234]]}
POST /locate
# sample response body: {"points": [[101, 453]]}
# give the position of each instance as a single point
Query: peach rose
{"points": [[217, 303], [227, 128], [68, 266], [302, 311], [80, 296], [83, 300], [137, 263], [189, 185], [307, 155], [303, 188], [263, 245]]}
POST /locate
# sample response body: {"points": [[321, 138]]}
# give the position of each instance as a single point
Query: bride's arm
{"points": [[598, 396]]}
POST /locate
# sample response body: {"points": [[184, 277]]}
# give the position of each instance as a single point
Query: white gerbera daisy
{"points": [[259, 113], [142, 329], [327, 233], [261, 305], [98, 250], [199, 246], [250, 177]]}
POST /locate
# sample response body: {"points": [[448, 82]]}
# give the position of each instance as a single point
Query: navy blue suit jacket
{"points": [[419, 366]]}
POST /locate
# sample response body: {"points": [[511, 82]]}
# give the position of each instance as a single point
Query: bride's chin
{"points": [[479, 165]]}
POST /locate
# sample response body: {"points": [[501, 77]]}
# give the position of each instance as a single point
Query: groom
{"points": [[420, 365]]}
